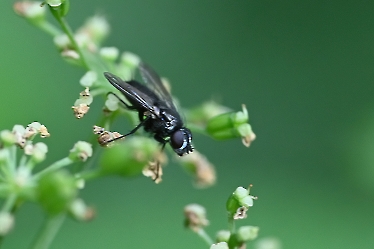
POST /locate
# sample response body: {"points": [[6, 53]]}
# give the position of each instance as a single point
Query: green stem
{"points": [[67, 30], [49, 28], [9, 203], [55, 166], [89, 175], [13, 159], [205, 236], [231, 225], [197, 128], [8, 208], [49, 230]]}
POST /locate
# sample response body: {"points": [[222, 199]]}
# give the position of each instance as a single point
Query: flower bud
{"points": [[88, 79], [220, 245], [129, 159], [62, 42], [95, 28], [109, 54], [35, 128], [112, 103], [247, 233], [231, 125], [195, 217], [268, 243], [56, 191], [71, 56], [130, 59], [6, 223], [223, 236], [32, 11], [19, 132], [39, 152], [7, 138], [80, 211], [239, 202], [81, 151]]}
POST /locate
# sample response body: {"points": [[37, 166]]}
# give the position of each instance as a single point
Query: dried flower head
{"points": [[80, 110], [201, 168], [195, 217]]}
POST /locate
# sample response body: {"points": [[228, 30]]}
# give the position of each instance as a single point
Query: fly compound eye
{"points": [[178, 141]]}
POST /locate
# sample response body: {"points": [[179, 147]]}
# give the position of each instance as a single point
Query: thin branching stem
{"points": [[202, 234], [49, 230], [55, 166], [67, 30]]}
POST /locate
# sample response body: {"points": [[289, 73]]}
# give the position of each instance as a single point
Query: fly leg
{"points": [[158, 172], [132, 131], [123, 102]]}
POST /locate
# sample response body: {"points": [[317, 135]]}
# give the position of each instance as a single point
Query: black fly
{"points": [[157, 112]]}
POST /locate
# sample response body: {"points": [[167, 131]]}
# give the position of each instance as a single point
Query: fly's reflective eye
{"points": [[177, 140], [180, 141]]}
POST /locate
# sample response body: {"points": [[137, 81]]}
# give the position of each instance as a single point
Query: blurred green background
{"points": [[305, 71]]}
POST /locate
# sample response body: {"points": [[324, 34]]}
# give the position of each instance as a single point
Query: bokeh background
{"points": [[305, 71]]}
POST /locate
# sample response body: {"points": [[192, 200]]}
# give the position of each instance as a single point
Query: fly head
{"points": [[180, 141]]}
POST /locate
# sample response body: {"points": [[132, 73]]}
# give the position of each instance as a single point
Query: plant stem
{"points": [[13, 159], [67, 30], [49, 230], [205, 236], [89, 175], [9, 203], [231, 225], [49, 29], [8, 208], [56, 165], [197, 128]]}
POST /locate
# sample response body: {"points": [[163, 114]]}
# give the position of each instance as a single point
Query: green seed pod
{"points": [[231, 125], [130, 157], [56, 191]]}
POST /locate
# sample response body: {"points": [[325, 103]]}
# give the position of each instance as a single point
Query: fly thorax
{"points": [[170, 121], [156, 110]]}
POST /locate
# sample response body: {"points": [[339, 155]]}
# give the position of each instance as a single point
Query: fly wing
{"points": [[131, 92], [154, 81]]}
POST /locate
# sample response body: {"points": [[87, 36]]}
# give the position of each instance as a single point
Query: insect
{"points": [[156, 110]]}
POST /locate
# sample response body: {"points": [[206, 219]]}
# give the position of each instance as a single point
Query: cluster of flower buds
{"points": [[239, 202], [237, 239], [237, 205], [230, 125], [22, 136], [53, 188]]}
